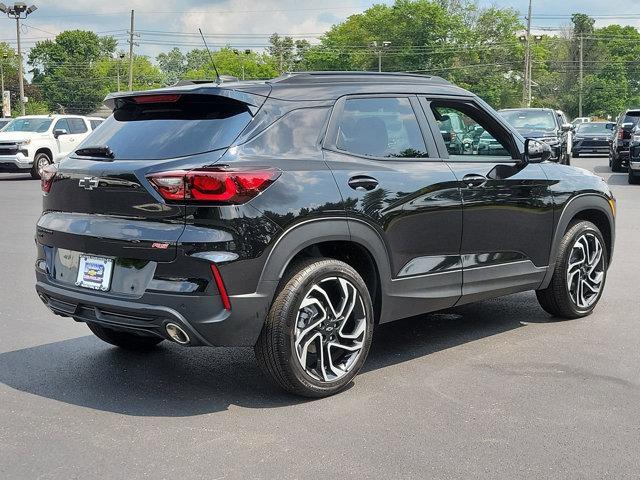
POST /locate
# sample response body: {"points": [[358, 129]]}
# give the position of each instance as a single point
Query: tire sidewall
{"points": [[321, 272], [576, 232], [36, 161]]}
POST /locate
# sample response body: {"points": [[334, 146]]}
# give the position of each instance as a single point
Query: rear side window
{"points": [[95, 124], [77, 125], [380, 127], [190, 125]]}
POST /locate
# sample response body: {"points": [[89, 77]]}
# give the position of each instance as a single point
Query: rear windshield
{"points": [[631, 117], [596, 128], [154, 131]]}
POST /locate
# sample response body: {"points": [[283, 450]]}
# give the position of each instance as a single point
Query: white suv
{"points": [[32, 142]]}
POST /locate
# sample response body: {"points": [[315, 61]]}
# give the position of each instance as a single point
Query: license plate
{"points": [[94, 272]]}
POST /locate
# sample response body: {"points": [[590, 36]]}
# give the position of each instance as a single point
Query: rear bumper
{"points": [[202, 317]]}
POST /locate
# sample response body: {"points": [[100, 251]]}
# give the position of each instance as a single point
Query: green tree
{"points": [[65, 70]]}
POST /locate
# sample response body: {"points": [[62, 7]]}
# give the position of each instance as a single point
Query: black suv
{"points": [[592, 137], [620, 140], [544, 124], [295, 214]]}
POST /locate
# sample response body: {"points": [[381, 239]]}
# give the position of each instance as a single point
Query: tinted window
{"points": [[380, 127], [62, 124], [77, 125], [38, 125], [153, 131], [95, 124]]}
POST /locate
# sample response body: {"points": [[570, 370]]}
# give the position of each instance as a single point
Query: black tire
{"points": [[124, 340], [616, 165], [276, 350], [556, 299], [39, 160], [576, 154], [633, 179]]}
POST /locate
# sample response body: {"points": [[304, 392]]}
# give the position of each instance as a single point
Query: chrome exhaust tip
{"points": [[177, 334]]}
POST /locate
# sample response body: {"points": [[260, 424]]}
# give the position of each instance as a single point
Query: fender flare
{"points": [[579, 203], [309, 232]]}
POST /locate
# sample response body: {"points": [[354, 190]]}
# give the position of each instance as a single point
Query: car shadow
{"points": [[15, 177], [175, 381]]}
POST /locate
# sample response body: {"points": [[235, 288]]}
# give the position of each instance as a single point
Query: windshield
{"points": [[154, 131], [593, 128], [530, 119], [36, 125]]}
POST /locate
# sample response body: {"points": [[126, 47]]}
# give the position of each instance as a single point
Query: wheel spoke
{"points": [[585, 270]]}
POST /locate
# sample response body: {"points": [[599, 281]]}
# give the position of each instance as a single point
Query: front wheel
{"points": [[318, 331], [41, 161], [616, 165], [633, 179], [579, 274]]}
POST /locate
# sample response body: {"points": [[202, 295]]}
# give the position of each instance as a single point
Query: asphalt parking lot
{"points": [[489, 390]]}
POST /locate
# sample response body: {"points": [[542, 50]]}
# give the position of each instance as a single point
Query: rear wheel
{"points": [[633, 179], [579, 274], [318, 331], [576, 154], [41, 161], [127, 341]]}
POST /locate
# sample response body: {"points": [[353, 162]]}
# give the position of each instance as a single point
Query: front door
{"points": [[507, 206], [392, 180]]}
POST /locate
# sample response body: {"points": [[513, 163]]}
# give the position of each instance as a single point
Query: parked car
{"points": [[453, 131], [543, 124], [95, 122], [30, 143], [621, 139], [592, 137], [634, 157], [4, 122], [577, 121], [295, 214]]}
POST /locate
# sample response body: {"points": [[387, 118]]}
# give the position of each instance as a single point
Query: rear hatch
{"points": [[629, 123], [100, 201]]}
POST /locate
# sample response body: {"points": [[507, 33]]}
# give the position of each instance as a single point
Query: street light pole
{"points": [[379, 50], [19, 11]]}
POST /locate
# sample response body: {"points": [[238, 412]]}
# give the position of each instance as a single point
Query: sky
{"points": [[163, 24]]}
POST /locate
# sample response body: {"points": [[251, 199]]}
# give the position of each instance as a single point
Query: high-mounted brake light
{"points": [[168, 98], [218, 185], [46, 179]]}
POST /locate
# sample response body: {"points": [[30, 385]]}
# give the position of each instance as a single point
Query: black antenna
{"points": [[218, 79]]}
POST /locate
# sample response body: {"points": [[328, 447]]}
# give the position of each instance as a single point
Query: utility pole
{"points": [[379, 50], [131, 43], [526, 90], [4, 55], [581, 78], [19, 11]]}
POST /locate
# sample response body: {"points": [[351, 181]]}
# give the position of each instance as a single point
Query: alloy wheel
{"points": [[330, 329], [585, 270], [41, 163]]}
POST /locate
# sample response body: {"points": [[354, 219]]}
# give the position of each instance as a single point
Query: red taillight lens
{"points": [[621, 134], [214, 185], [46, 179], [454, 135]]}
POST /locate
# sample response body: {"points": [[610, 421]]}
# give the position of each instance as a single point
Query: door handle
{"points": [[363, 183], [474, 180]]}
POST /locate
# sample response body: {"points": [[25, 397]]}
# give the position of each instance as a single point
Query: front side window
{"points": [[465, 134], [380, 127]]}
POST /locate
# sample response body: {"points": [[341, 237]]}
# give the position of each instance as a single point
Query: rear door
{"points": [[391, 179], [507, 205]]}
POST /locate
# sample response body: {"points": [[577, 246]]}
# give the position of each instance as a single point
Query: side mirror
{"points": [[567, 127], [610, 126], [536, 151], [60, 131]]}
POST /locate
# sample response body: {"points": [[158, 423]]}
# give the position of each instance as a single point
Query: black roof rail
{"points": [[355, 76]]}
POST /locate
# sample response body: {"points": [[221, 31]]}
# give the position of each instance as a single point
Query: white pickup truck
{"points": [[30, 143]]}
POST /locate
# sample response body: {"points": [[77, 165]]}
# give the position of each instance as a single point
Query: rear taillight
{"points": [[453, 136], [213, 185], [621, 134], [46, 179]]}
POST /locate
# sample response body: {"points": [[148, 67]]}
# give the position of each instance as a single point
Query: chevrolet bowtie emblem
{"points": [[89, 183]]}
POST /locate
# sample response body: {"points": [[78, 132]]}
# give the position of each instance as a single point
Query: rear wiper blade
{"points": [[96, 152]]}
